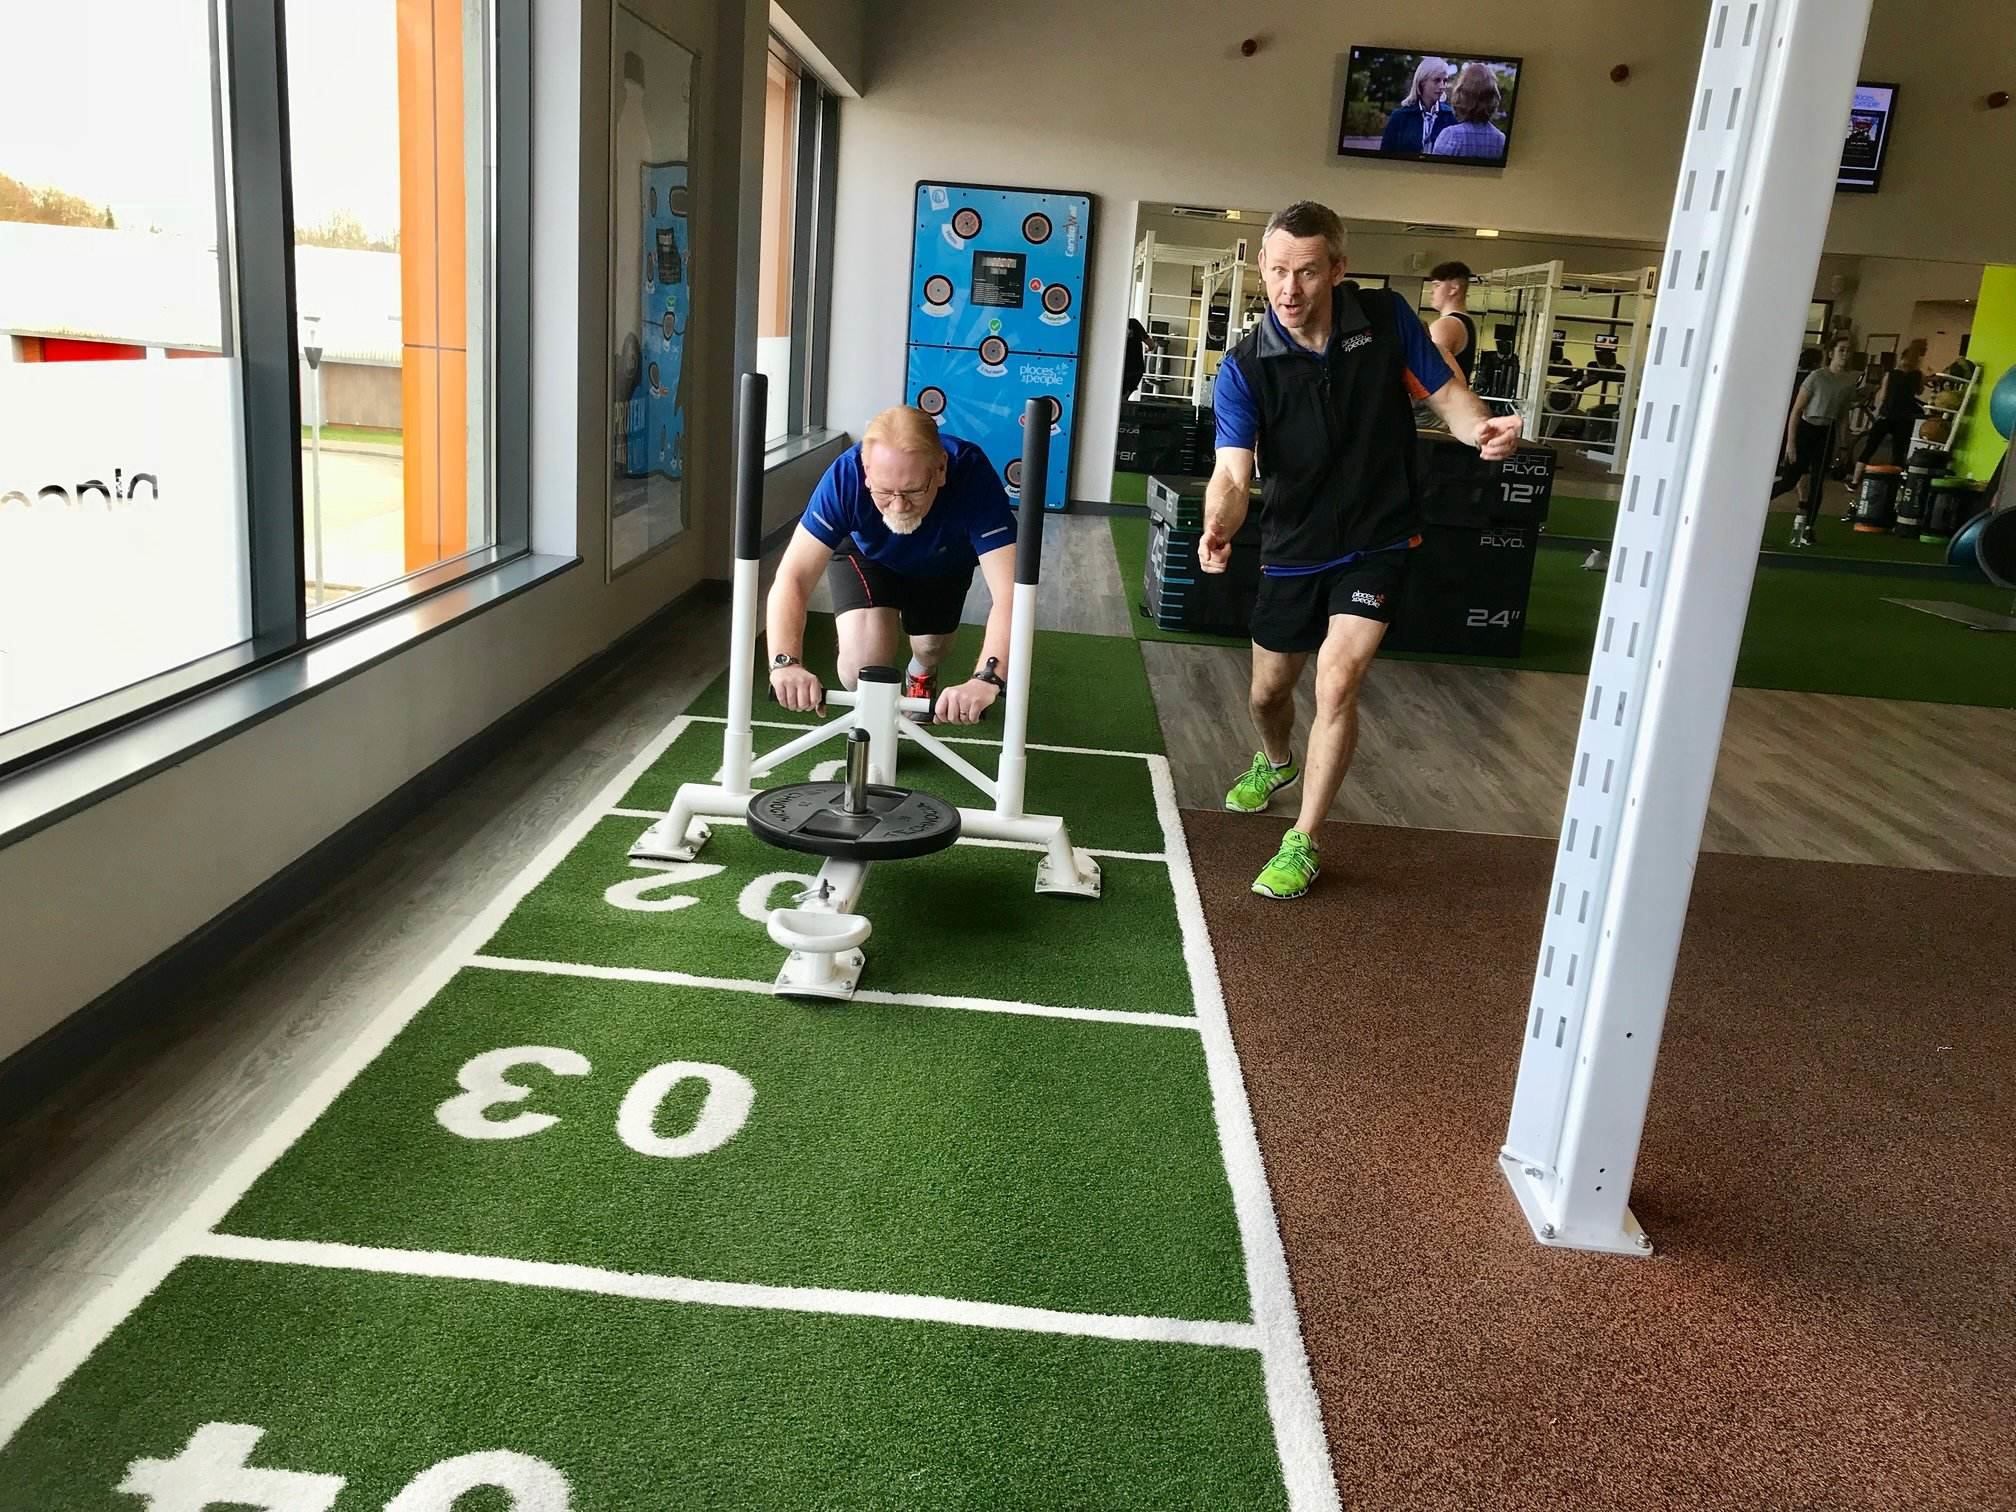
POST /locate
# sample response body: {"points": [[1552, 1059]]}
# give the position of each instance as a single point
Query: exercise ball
{"points": [[2002, 404], [1987, 544]]}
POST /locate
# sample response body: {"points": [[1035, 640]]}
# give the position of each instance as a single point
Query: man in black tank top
{"points": [[1322, 392], [1453, 330]]}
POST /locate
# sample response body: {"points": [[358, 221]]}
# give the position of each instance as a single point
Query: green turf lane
{"points": [[1087, 690], [1107, 802], [1808, 631], [644, 1405], [993, 1157], [966, 922]]}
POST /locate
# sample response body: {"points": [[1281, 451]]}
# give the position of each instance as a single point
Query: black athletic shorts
{"points": [[929, 605], [1293, 613]]}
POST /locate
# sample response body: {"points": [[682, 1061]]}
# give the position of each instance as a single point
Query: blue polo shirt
{"points": [[1236, 418], [970, 517]]}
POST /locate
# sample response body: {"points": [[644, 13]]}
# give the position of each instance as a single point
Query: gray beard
{"points": [[902, 526]]}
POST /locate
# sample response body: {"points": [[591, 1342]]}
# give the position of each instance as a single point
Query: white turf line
{"points": [[896, 1306], [1021, 845], [1291, 1392], [54, 1363], [1291, 1395], [862, 995]]}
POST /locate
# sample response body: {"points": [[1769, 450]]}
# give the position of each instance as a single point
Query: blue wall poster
{"points": [[656, 429], [997, 305]]}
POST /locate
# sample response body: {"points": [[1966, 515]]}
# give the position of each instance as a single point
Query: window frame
{"points": [[815, 132], [260, 324]]}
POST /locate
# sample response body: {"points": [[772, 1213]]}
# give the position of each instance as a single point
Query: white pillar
{"points": [[1764, 133]]}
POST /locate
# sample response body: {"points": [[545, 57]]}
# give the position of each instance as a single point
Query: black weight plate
{"points": [[809, 817]]}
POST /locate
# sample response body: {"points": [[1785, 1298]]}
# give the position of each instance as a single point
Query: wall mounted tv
{"points": [[1868, 142], [1428, 107]]}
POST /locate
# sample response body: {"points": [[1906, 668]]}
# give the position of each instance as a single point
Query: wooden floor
{"points": [[94, 1172], [1809, 776]]}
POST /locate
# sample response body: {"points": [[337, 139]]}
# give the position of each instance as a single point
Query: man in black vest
{"points": [[1323, 391]]}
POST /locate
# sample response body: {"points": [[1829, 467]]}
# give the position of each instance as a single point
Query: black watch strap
{"points": [[987, 674]]}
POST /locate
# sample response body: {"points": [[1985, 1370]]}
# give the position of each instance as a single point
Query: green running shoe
{"points": [[1258, 783], [1291, 871]]}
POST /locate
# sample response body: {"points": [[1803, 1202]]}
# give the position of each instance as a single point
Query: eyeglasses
{"points": [[907, 497]]}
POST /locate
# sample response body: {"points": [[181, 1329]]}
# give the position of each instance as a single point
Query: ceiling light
{"points": [[1487, 231]]}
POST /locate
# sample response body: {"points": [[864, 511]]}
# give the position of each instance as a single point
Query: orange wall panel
{"points": [[434, 279]]}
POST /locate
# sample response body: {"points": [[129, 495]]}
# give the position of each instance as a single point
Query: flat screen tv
{"points": [[1868, 142], [1428, 107]]}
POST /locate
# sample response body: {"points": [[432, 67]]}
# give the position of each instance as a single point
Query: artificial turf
{"points": [[641, 1405], [1595, 521], [963, 923], [993, 1157], [1108, 802], [1085, 690], [988, 1140], [1808, 630]]}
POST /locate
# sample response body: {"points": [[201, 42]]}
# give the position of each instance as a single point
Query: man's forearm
{"points": [[994, 641], [1225, 506], [784, 619], [1464, 413]]}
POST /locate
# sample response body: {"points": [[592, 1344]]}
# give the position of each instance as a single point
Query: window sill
{"points": [[788, 450], [47, 793]]}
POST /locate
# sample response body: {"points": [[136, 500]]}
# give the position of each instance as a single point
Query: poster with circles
{"points": [[997, 311]]}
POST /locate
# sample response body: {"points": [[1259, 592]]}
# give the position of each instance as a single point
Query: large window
{"points": [[386, 100], [122, 483], [799, 149], [249, 335]]}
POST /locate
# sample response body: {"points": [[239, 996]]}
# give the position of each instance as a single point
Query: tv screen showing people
{"points": [[1428, 107], [1868, 140]]}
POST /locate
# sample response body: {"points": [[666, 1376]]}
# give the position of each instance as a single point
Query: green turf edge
{"points": [[645, 1404], [963, 923], [1807, 631], [1086, 690], [994, 1157]]}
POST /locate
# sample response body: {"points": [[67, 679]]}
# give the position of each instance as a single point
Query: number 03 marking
{"points": [[723, 1111], [730, 1095]]}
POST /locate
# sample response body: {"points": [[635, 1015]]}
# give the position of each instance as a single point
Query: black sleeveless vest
{"points": [[1336, 434]]}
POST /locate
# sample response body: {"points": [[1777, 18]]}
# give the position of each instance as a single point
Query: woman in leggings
{"points": [[1897, 412], [1809, 435]]}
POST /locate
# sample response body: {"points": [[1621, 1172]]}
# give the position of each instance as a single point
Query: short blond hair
{"points": [[904, 428]]}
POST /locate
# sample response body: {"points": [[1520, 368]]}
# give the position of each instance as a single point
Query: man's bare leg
{"points": [[1341, 666], [868, 638], [927, 651], [1272, 700]]}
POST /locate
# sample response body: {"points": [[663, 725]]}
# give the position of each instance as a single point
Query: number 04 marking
{"points": [[723, 1111]]}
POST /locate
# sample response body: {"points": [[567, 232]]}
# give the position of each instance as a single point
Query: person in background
{"points": [[1419, 119], [1896, 410], [1135, 363], [1809, 435], [1474, 100], [1453, 330]]}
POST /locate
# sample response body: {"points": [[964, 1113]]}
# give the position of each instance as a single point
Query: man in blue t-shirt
{"points": [[897, 525], [1321, 393]]}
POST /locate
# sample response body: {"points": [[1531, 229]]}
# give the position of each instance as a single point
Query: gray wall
{"points": [[88, 901], [1134, 102]]}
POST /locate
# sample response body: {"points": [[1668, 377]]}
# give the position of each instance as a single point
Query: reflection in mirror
{"points": [[651, 289], [1555, 328]]}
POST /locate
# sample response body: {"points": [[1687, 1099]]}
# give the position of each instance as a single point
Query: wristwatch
{"points": [[987, 674], [782, 660]]}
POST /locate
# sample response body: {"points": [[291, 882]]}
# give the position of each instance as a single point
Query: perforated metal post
{"points": [[1764, 136]]}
